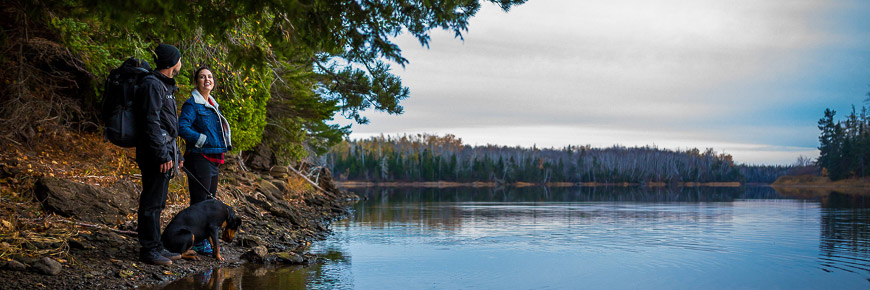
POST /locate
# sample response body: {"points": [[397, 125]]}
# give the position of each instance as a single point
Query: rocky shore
{"points": [[63, 229]]}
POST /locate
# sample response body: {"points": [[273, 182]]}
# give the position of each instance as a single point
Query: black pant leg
{"points": [[214, 181], [205, 173], [152, 200]]}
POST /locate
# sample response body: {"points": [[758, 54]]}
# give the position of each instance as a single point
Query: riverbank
{"points": [[819, 181], [810, 186], [68, 215], [449, 184]]}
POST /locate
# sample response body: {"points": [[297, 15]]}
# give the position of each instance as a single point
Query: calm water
{"points": [[581, 238]]}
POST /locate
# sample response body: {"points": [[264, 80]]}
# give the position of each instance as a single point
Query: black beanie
{"points": [[167, 56]]}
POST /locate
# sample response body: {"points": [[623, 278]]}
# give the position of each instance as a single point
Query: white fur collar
{"points": [[199, 99]]}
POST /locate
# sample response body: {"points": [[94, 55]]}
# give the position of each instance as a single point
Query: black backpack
{"points": [[118, 113]]}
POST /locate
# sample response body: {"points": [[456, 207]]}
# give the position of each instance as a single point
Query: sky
{"points": [[745, 77]]}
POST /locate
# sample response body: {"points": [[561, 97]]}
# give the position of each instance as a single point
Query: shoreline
{"points": [[76, 212], [811, 181], [479, 184]]}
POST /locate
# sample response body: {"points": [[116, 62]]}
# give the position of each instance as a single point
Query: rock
{"points": [[261, 158], [87, 202], [257, 254], [25, 259], [261, 271], [279, 171], [78, 244], [47, 266], [281, 185], [273, 201], [325, 181], [267, 187], [251, 241], [14, 266], [289, 258]]}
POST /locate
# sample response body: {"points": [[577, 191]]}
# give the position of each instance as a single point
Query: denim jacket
{"points": [[203, 127]]}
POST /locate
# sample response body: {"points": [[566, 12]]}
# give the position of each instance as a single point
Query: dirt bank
{"points": [[818, 187], [812, 181], [68, 213]]}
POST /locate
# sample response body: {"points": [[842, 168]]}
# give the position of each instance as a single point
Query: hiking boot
{"points": [[170, 255], [154, 257], [203, 248]]}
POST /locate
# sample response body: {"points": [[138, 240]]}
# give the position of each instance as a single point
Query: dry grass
{"points": [[819, 181], [25, 229]]}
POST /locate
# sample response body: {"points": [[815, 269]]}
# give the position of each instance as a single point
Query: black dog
{"points": [[203, 220]]}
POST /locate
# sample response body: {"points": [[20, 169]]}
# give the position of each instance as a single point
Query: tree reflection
{"points": [[382, 207], [845, 233]]}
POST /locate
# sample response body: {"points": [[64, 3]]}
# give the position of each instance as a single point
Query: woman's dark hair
{"points": [[196, 73]]}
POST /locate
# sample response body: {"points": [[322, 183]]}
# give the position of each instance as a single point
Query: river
{"points": [[580, 238]]}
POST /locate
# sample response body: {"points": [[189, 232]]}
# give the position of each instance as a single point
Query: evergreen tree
{"points": [[286, 67]]}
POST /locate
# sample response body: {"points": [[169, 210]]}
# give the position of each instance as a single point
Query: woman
{"points": [[207, 135]]}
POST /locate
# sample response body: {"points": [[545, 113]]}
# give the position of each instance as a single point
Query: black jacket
{"points": [[157, 120]]}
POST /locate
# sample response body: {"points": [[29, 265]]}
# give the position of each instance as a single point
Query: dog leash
{"points": [[210, 194]]}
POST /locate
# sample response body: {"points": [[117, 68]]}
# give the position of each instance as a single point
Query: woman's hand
{"points": [[165, 167]]}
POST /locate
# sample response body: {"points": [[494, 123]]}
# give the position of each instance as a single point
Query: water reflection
{"points": [[556, 194], [569, 238], [844, 242], [845, 233], [244, 277], [382, 206]]}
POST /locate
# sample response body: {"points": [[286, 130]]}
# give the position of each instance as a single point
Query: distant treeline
{"points": [[844, 146], [435, 158]]}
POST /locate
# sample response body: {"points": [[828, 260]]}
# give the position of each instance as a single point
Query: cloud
{"points": [[708, 73]]}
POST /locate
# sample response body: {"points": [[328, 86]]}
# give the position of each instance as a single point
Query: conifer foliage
{"points": [[844, 146], [437, 158], [283, 67]]}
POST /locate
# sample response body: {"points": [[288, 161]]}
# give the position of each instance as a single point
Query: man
{"points": [[156, 151]]}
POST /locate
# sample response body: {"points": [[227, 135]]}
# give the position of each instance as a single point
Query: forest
{"points": [[426, 157], [844, 146], [284, 69]]}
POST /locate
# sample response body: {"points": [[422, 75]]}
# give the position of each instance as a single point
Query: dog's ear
{"points": [[237, 222], [233, 221]]}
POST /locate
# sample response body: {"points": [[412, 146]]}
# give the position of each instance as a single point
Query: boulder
{"points": [[257, 254], [267, 187], [47, 266], [86, 202], [279, 171], [289, 258], [325, 181], [261, 158], [251, 241]]}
